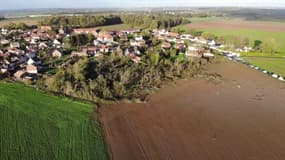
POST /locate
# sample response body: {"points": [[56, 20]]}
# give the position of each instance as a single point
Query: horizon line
{"points": [[146, 7]]}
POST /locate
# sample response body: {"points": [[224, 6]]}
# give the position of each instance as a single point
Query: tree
{"points": [[257, 44], [90, 38], [269, 46]]}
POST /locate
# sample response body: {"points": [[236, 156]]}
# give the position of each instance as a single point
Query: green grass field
{"points": [[271, 62], [253, 35], [276, 65], [38, 126]]}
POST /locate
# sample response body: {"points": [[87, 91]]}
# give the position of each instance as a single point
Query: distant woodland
{"points": [[145, 21]]}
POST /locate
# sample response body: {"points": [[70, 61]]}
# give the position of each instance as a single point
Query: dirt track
{"points": [[240, 118], [240, 24]]}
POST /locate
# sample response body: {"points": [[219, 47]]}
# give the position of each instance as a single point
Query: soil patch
{"points": [[241, 117]]}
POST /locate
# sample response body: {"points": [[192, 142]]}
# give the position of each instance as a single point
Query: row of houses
{"points": [[20, 54]]}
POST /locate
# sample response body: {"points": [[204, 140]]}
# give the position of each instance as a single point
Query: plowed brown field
{"points": [[239, 24], [240, 118]]}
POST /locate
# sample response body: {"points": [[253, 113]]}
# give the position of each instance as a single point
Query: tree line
{"points": [[21, 25], [135, 20], [116, 77], [81, 21], [154, 21]]}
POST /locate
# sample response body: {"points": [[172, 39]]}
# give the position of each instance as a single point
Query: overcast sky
{"points": [[27, 4]]}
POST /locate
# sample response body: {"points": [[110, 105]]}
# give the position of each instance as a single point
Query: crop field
{"points": [[37, 126], [254, 30], [27, 20], [253, 35]]}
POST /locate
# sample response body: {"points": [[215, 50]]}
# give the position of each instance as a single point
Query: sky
{"points": [[29, 4]]}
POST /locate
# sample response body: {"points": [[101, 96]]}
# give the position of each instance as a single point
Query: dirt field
{"points": [[240, 24], [239, 117]]}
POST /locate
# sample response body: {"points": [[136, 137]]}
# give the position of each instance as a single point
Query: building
{"points": [[165, 45], [81, 53], [105, 37], [93, 31], [15, 45], [32, 69], [19, 75], [45, 28], [57, 53]]}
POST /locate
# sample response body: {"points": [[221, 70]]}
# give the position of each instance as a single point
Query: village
{"points": [[21, 52]]}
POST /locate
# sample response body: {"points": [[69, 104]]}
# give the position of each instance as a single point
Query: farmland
{"points": [[27, 20], [38, 126], [254, 30], [276, 65]]}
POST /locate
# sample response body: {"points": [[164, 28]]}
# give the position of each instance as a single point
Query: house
{"points": [[186, 36], [139, 38], [192, 52], [61, 31], [163, 32], [57, 53], [32, 69], [19, 75], [165, 45], [212, 42], [180, 46], [56, 42], [96, 42], [81, 53], [30, 61], [5, 42], [3, 70], [104, 49], [45, 28], [15, 45], [105, 37], [173, 40], [172, 34], [43, 45], [93, 31], [208, 55], [131, 31], [92, 51], [123, 37], [4, 31]]}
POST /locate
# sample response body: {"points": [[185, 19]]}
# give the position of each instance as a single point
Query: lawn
{"points": [[276, 65], [38, 126]]}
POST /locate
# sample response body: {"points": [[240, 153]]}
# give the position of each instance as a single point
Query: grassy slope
{"points": [[39, 126]]}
